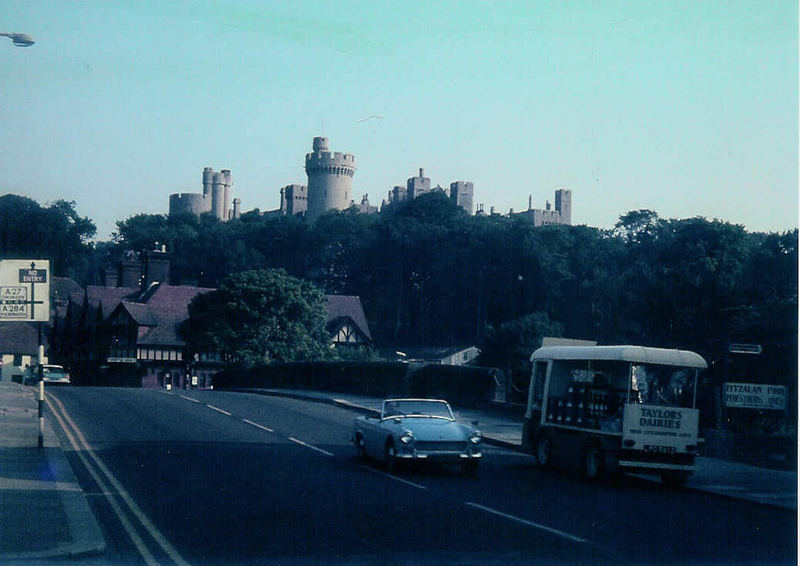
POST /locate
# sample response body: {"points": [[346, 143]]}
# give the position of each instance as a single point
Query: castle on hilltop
{"points": [[330, 187]]}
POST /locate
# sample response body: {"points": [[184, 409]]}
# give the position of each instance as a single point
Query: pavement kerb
{"points": [[87, 538]]}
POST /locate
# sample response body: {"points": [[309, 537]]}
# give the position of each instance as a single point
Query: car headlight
{"points": [[476, 437], [407, 437]]}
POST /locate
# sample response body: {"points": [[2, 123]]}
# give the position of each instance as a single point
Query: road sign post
{"points": [[21, 282]]}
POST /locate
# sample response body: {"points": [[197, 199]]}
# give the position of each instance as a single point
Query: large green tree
{"points": [[56, 232], [260, 316]]}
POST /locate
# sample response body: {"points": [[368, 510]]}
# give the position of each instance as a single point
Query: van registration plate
{"points": [[653, 449]]}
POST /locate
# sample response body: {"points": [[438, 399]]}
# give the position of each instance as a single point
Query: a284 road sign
{"points": [[24, 290]]}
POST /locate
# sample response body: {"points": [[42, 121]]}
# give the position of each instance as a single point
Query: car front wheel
{"points": [[390, 455], [360, 448]]}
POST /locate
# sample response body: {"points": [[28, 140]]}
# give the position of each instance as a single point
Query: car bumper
{"points": [[434, 456]]}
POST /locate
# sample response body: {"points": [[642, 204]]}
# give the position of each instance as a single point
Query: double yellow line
{"points": [[109, 485]]}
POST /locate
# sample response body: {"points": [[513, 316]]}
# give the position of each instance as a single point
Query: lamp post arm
{"points": [[19, 39]]}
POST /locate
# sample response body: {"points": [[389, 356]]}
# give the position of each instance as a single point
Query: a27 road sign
{"points": [[24, 290]]}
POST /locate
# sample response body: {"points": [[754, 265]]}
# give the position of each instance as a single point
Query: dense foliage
{"points": [[55, 232], [259, 316], [428, 274]]}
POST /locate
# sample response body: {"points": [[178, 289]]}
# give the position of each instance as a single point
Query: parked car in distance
{"points": [[50, 374], [417, 430]]}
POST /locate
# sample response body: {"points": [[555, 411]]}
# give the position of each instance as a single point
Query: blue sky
{"points": [[686, 108]]}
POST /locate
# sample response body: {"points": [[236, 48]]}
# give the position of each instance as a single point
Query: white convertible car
{"points": [[417, 430]]}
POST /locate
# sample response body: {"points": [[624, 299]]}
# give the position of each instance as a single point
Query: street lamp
{"points": [[19, 39]]}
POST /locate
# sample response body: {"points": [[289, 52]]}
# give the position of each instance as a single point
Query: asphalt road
{"points": [[209, 477]]}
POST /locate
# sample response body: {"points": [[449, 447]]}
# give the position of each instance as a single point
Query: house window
{"points": [[158, 354]]}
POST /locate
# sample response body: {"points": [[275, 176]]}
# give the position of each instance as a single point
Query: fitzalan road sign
{"points": [[24, 290]]}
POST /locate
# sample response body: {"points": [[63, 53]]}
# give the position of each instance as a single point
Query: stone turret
{"points": [[330, 179], [215, 198], [461, 194], [418, 186]]}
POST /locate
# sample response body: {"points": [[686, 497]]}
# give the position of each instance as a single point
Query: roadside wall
{"points": [[459, 385]]}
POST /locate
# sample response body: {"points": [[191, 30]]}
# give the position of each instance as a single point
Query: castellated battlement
{"points": [[327, 159]]}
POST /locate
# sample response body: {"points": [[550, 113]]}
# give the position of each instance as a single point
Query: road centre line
{"points": [[401, 480], [526, 522], [262, 427], [82, 447], [188, 398], [301, 443], [218, 409]]}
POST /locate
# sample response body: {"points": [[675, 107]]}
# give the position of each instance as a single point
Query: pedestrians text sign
{"points": [[24, 290], [755, 396]]}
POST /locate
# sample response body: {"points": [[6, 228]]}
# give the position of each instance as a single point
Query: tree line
{"points": [[429, 274]]}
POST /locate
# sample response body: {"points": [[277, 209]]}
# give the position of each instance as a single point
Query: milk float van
{"points": [[608, 408]]}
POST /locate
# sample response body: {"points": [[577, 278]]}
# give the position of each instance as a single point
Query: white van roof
{"points": [[640, 354]]}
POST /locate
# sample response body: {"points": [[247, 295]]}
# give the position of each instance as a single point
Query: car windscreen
{"points": [[417, 408], [662, 385], [53, 373]]}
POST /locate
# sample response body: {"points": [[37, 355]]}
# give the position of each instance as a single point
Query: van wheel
{"points": [[674, 479], [592, 463], [544, 450]]}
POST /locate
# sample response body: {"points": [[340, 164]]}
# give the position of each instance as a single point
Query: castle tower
{"points": [[564, 205], [227, 183], [461, 194], [218, 196], [418, 186], [294, 199], [237, 208], [330, 179], [208, 180]]}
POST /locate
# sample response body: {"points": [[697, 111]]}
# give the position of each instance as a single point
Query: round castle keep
{"points": [[192, 203], [330, 179]]}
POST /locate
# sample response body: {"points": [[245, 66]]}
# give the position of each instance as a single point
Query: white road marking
{"points": [[262, 427], [188, 398], [786, 495], [80, 446], [526, 522], [37, 485], [401, 480], [301, 443], [218, 409]]}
